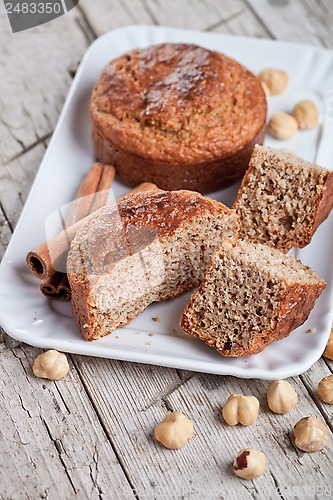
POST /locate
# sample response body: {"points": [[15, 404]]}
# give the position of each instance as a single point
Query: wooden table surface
{"points": [[91, 434]]}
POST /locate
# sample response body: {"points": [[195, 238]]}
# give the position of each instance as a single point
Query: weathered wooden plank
{"points": [[104, 16], [129, 398], [139, 385], [287, 20], [193, 14], [321, 15], [205, 462], [16, 179], [36, 72], [329, 363], [244, 23], [5, 233], [53, 445], [202, 398], [311, 380], [188, 14]]}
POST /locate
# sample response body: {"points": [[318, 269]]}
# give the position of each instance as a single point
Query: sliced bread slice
{"points": [[283, 199], [150, 247], [252, 295]]}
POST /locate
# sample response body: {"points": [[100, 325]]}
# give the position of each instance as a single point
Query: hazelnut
{"points": [[175, 430], [306, 114], [265, 89], [250, 463], [325, 389], [310, 434], [281, 396], [275, 80], [328, 353], [282, 125], [51, 364], [240, 409]]}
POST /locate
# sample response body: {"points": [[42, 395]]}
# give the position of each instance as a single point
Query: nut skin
{"points": [[281, 396], [282, 125], [310, 434], [175, 430], [51, 364], [325, 389], [328, 353], [240, 409], [306, 114], [250, 463], [265, 89], [275, 80]]}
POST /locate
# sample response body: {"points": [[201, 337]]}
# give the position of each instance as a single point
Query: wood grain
{"points": [[52, 445], [34, 87]]}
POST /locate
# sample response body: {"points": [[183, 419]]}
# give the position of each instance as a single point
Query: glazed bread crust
{"points": [[177, 115], [281, 295], [151, 246]]}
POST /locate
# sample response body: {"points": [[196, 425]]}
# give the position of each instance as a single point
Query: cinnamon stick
{"points": [[56, 285], [53, 253], [80, 207], [103, 189]]}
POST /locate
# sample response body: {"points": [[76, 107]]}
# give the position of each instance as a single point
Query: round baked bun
{"points": [[178, 115]]}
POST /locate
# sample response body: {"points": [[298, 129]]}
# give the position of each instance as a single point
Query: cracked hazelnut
{"points": [[281, 396], [310, 434], [328, 353], [51, 364], [250, 463], [275, 80], [306, 114], [282, 125], [325, 389], [175, 430], [240, 409]]}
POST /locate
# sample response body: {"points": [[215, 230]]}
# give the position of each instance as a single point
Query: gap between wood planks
{"points": [[26, 149]]}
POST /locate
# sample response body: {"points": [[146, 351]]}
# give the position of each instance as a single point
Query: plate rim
{"points": [[143, 357]]}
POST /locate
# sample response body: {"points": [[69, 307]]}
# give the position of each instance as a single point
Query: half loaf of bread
{"points": [[252, 295], [150, 247], [283, 199]]}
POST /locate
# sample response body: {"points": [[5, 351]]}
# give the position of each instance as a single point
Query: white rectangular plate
{"points": [[29, 317]]}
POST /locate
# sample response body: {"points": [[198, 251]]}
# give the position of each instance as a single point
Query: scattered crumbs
{"points": [[137, 333], [116, 337], [311, 330], [156, 319], [150, 334], [148, 343]]}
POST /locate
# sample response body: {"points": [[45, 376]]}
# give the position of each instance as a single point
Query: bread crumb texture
{"points": [[251, 295], [283, 199], [150, 247]]}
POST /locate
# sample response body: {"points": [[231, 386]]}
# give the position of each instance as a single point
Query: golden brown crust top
{"points": [[151, 100], [122, 229]]}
